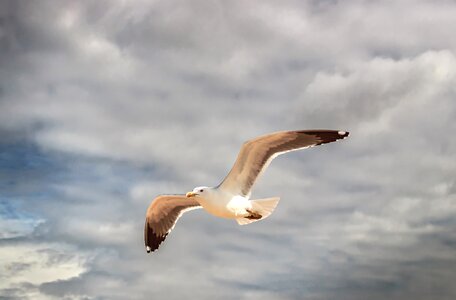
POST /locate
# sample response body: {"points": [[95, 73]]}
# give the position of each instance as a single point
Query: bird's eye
{"points": [[201, 191]]}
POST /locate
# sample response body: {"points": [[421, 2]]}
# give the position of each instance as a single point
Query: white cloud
{"points": [[29, 265]]}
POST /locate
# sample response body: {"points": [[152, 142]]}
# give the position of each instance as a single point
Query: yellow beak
{"points": [[191, 194]]}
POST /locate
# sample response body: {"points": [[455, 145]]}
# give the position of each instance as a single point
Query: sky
{"points": [[106, 104]]}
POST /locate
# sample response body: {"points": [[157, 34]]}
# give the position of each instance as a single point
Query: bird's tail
{"points": [[261, 209]]}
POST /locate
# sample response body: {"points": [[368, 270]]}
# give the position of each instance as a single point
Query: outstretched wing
{"points": [[255, 155], [162, 215]]}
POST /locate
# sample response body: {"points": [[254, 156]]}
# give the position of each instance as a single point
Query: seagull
{"points": [[231, 198]]}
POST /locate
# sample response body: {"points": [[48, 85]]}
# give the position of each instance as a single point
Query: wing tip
{"points": [[151, 239], [154, 242], [343, 134], [329, 136]]}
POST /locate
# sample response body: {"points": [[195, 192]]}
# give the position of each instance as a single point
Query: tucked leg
{"points": [[253, 215]]}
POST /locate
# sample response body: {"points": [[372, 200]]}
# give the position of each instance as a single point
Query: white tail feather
{"points": [[264, 207]]}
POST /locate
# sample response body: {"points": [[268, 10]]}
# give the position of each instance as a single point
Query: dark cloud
{"points": [[105, 105]]}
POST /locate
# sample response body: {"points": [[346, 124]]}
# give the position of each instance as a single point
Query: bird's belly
{"points": [[231, 208]]}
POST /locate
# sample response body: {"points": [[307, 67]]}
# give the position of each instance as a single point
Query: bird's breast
{"points": [[225, 206]]}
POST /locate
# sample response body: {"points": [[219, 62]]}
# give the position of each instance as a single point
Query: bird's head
{"points": [[198, 191]]}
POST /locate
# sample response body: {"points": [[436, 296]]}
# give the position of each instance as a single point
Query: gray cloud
{"points": [[105, 105]]}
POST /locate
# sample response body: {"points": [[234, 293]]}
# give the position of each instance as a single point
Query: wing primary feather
{"points": [[152, 240], [161, 217]]}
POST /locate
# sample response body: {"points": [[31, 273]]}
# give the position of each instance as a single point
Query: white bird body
{"points": [[223, 204]]}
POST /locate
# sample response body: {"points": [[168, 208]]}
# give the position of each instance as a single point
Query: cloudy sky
{"points": [[106, 104]]}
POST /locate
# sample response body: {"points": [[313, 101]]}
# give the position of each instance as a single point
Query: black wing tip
{"points": [[154, 241], [322, 131], [343, 134], [151, 239], [328, 136]]}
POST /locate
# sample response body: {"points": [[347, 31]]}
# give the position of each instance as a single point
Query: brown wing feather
{"points": [[256, 154], [162, 215]]}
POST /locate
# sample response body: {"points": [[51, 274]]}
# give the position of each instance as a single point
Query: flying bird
{"points": [[230, 199]]}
